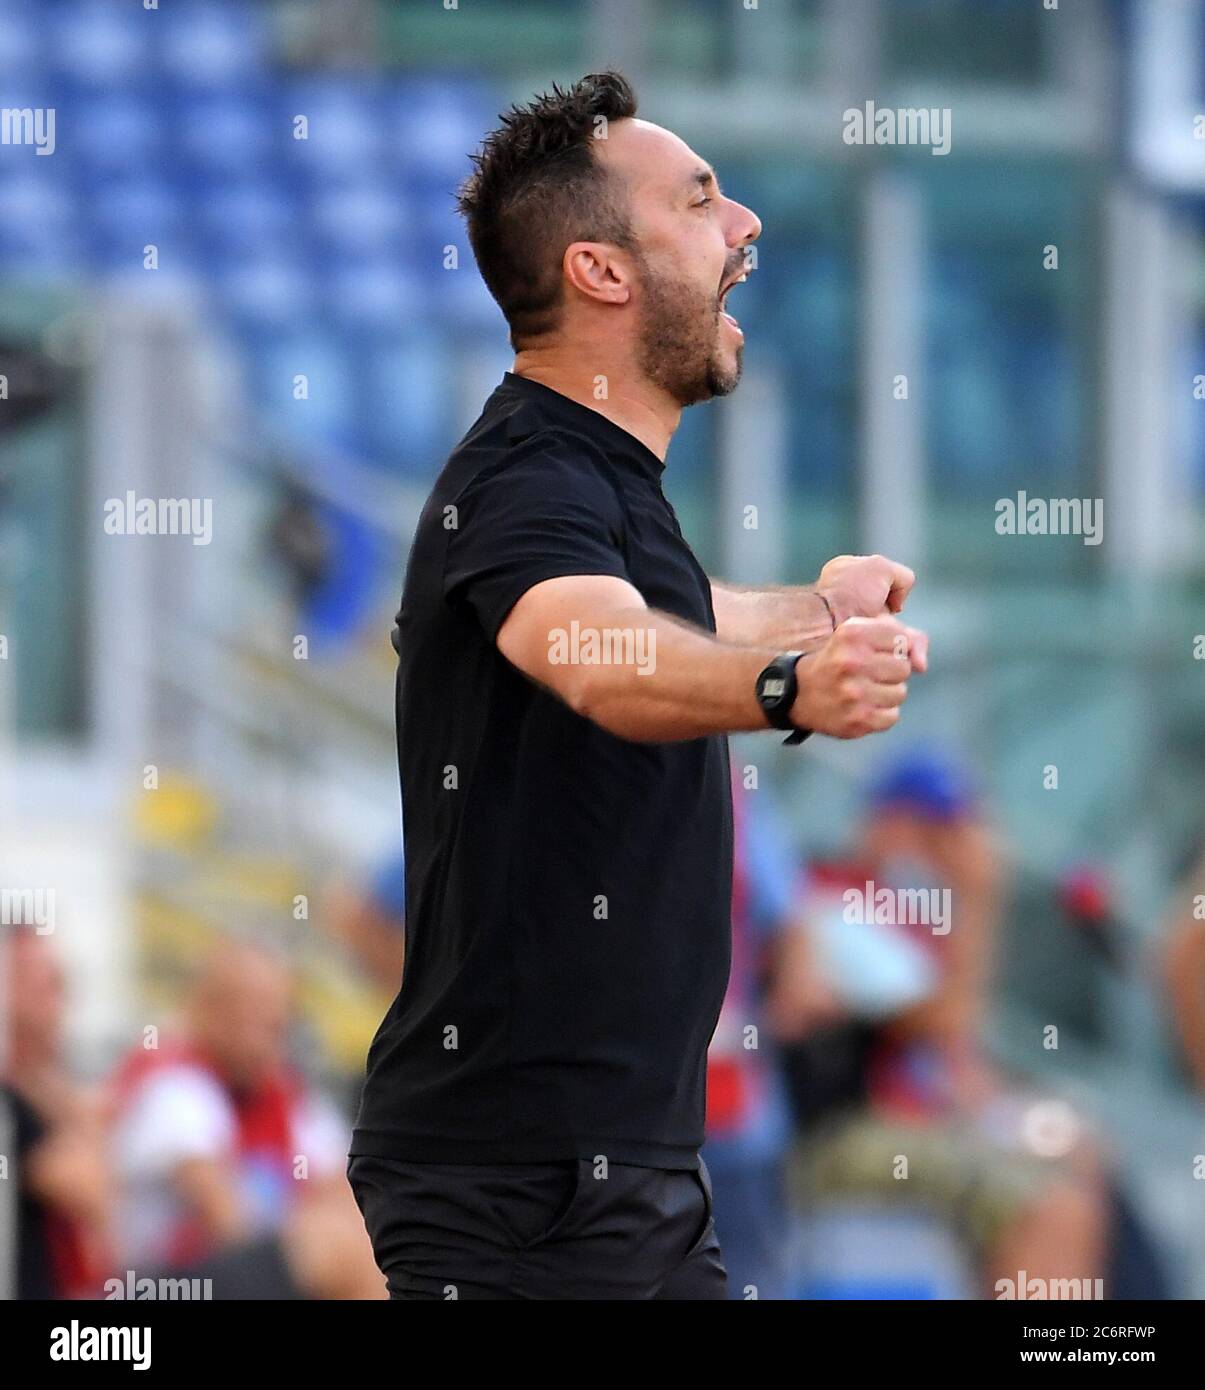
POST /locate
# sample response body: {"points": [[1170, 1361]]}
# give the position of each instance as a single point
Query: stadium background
{"points": [[312, 337]]}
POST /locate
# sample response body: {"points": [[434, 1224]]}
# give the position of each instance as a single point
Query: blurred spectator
{"points": [[63, 1191], [1014, 1172], [370, 923], [231, 1166]]}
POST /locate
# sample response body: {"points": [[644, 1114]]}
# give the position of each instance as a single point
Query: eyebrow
{"points": [[704, 176]]}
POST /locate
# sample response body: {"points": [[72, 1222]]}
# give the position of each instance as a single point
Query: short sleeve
{"points": [[178, 1114], [546, 514], [320, 1133]]}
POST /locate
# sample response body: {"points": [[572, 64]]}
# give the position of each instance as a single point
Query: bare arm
{"points": [[375, 939], [665, 680], [794, 619], [1184, 975], [799, 1000], [969, 862], [69, 1170], [208, 1187], [802, 617]]}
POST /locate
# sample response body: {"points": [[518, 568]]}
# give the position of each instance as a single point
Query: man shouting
{"points": [[531, 1121]]}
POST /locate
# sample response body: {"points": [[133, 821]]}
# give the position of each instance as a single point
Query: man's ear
{"points": [[601, 272]]}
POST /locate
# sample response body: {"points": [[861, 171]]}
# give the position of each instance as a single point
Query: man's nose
{"points": [[744, 225]]}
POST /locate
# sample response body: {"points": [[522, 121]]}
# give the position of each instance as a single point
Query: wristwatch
{"points": [[777, 687]]}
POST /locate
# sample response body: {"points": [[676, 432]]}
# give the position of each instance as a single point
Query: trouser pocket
{"points": [[702, 1179], [536, 1203]]}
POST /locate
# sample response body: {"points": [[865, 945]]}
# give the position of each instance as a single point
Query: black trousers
{"points": [[569, 1230]]}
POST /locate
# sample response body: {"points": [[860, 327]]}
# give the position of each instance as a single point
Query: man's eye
{"points": [[702, 203]]}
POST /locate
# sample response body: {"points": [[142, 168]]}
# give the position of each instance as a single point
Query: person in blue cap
{"points": [[904, 937]]}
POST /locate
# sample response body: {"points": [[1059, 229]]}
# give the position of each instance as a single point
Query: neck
{"points": [[635, 404]]}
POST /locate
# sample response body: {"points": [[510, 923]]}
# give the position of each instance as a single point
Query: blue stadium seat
{"points": [[114, 135], [431, 124], [22, 46], [263, 291], [360, 216], [410, 382], [344, 135], [128, 214], [214, 43], [99, 44], [249, 215], [323, 256], [229, 133], [372, 292], [323, 358]]}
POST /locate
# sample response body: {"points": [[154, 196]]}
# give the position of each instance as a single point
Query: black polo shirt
{"points": [[568, 892]]}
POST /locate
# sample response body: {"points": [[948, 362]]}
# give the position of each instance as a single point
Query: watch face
{"points": [[773, 687]]}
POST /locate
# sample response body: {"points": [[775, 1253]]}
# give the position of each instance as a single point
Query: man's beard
{"points": [[680, 340]]}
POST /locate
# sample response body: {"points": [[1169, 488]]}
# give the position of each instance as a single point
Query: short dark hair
{"points": [[536, 188]]}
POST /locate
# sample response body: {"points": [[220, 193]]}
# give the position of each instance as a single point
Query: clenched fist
{"points": [[864, 586], [857, 682]]}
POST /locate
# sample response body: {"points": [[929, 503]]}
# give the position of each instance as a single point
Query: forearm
{"points": [[1185, 972], [687, 686], [210, 1192], [793, 617], [969, 869], [646, 676]]}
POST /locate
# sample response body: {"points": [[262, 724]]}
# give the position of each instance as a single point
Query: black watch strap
{"points": [[777, 687]]}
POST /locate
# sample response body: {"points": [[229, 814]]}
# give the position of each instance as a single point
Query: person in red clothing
{"points": [[64, 1196], [905, 935], [222, 1146]]}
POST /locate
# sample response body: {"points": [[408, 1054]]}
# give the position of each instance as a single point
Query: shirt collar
{"points": [[614, 438]]}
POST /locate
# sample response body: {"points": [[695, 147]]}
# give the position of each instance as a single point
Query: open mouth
{"points": [[725, 290]]}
